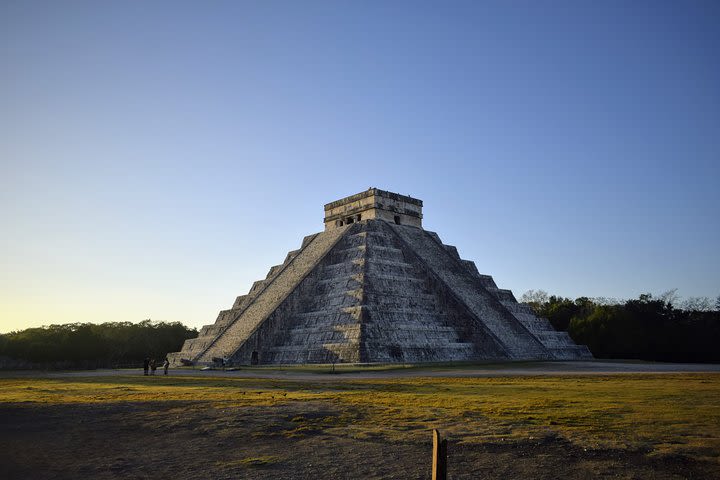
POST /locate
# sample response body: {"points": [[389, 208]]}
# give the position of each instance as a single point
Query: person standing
{"points": [[153, 366], [146, 365], [166, 365]]}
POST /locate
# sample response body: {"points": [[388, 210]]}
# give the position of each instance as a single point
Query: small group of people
{"points": [[150, 365]]}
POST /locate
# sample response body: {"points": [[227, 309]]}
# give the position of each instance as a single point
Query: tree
{"points": [[697, 304], [90, 345], [670, 297], [559, 311], [535, 298]]}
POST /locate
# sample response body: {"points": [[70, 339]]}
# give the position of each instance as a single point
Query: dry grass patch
{"points": [[657, 413]]}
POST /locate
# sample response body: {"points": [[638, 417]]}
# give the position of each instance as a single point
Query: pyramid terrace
{"points": [[375, 287]]}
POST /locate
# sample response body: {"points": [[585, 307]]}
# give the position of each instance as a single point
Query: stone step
{"points": [[241, 301], [341, 268], [273, 294], [350, 249], [300, 348], [300, 341], [197, 344], [346, 255], [330, 353], [290, 256], [533, 323], [385, 253], [411, 338], [555, 338], [347, 299], [380, 345], [307, 239], [324, 278], [209, 330], [453, 251], [273, 271], [377, 239], [382, 353], [574, 352], [471, 267], [487, 281], [303, 329], [517, 341], [373, 269], [395, 284], [516, 307], [407, 313], [398, 301], [257, 286], [329, 292], [353, 311], [502, 294]]}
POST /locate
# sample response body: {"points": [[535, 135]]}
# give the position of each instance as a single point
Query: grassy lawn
{"points": [[661, 414]]}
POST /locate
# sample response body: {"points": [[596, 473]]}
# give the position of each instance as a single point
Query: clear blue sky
{"points": [[158, 157]]}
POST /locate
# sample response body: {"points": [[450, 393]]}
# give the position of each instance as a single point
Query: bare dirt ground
{"points": [[200, 440], [149, 440]]}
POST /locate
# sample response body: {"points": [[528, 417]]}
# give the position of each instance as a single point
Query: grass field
{"points": [[645, 418]]}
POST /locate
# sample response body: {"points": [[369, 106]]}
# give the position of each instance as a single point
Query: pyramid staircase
{"points": [[373, 291]]}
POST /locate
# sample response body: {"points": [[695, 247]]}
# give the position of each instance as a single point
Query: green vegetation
{"points": [[89, 345], [646, 328], [655, 413]]}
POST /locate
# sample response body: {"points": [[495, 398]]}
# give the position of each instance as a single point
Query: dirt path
{"points": [[596, 367]]}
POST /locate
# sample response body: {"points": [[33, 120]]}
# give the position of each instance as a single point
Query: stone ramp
{"points": [[558, 344], [264, 298], [410, 317], [444, 262], [320, 321]]}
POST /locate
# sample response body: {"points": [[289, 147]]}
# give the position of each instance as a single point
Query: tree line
{"points": [[646, 328], [89, 345]]}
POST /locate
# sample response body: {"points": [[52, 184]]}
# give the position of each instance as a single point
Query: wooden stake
{"points": [[439, 463]]}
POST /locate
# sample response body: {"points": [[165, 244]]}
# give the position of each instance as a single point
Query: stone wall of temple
{"points": [[374, 204]]}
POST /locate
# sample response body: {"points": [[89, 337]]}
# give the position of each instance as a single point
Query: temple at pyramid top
{"points": [[374, 204], [376, 287]]}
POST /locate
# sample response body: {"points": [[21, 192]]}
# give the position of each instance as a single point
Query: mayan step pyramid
{"points": [[376, 287]]}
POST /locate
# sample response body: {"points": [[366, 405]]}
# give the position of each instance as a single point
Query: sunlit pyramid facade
{"points": [[376, 287]]}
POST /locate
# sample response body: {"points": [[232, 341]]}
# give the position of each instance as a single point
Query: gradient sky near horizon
{"points": [[156, 158]]}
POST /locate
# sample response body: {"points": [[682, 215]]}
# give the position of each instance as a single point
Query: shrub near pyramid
{"points": [[376, 287]]}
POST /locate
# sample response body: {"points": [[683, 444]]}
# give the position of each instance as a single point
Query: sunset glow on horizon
{"points": [[158, 158]]}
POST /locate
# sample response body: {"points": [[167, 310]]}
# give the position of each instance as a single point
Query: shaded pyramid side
{"points": [[445, 266], [319, 322], [377, 292], [369, 302], [524, 335], [234, 326], [558, 343], [410, 315]]}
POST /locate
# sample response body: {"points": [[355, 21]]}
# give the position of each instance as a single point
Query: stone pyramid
{"points": [[376, 287]]}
